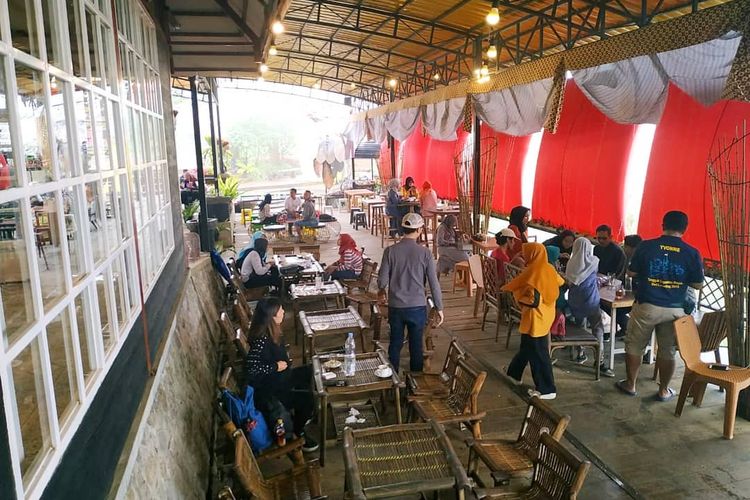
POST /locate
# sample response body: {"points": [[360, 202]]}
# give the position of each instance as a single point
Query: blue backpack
{"points": [[246, 417]]}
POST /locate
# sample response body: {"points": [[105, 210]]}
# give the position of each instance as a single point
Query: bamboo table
{"points": [[401, 460], [485, 246], [363, 381], [316, 324], [306, 293]]}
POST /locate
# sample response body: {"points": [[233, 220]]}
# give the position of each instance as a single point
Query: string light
{"points": [[436, 76], [263, 68], [277, 28], [392, 82], [352, 85], [485, 71], [493, 16], [272, 51], [492, 52]]}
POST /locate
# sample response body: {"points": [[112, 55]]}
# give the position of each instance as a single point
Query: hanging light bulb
{"points": [[272, 51], [493, 16], [277, 28], [485, 71], [492, 52], [436, 76], [477, 72], [352, 85], [263, 67], [392, 82]]}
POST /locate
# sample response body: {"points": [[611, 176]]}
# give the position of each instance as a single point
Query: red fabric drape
{"points": [[677, 177], [428, 159], [580, 174], [511, 151]]}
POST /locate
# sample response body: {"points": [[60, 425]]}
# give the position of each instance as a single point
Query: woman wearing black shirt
{"points": [[270, 373]]}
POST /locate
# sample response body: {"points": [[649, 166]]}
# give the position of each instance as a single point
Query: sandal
{"points": [[620, 384], [671, 393]]}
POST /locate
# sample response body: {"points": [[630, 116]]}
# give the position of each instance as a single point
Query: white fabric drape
{"points": [[518, 111], [441, 119], [352, 136], [635, 90], [375, 128], [401, 124]]}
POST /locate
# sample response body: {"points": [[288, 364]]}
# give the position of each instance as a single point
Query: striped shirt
{"points": [[352, 260]]}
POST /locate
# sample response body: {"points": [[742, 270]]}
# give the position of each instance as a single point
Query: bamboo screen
{"points": [[464, 168]]}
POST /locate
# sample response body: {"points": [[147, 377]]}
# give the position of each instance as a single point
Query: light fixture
{"points": [[491, 52], [436, 76], [263, 67], [352, 85], [316, 85], [477, 72], [277, 28], [493, 16], [393, 82], [272, 51], [485, 71]]}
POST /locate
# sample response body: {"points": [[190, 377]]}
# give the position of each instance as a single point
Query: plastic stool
{"points": [[352, 212], [360, 219]]}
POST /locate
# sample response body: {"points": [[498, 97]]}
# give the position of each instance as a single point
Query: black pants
{"points": [[298, 397], [534, 351], [271, 278]]}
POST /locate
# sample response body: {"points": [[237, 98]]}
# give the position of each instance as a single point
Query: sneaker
{"points": [[582, 358], [550, 395], [606, 372], [310, 444]]}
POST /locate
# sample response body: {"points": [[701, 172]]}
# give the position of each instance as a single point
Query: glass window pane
{"points": [[110, 77], [8, 169], [83, 311], [59, 101], [52, 271], [130, 269], [16, 303], [109, 221], [75, 222], [28, 387], [103, 136], [123, 206], [52, 37], [85, 130], [23, 30], [62, 362], [94, 49], [33, 117], [76, 40], [113, 111], [125, 65], [102, 294], [119, 283], [96, 221]]}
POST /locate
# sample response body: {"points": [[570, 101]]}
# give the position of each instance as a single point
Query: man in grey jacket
{"points": [[405, 269]]}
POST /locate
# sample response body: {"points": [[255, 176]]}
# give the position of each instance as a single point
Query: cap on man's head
{"points": [[412, 221], [508, 233]]}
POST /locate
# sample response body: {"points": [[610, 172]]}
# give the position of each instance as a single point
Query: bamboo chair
{"points": [[558, 475], [698, 374], [364, 290], [460, 405], [506, 458], [235, 356], [426, 383], [512, 309], [578, 337], [712, 330], [282, 249], [475, 267], [241, 315], [248, 294], [311, 249], [369, 268], [492, 297], [300, 481]]}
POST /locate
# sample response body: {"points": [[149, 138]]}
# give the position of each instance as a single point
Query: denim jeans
{"points": [[415, 319], [344, 274]]}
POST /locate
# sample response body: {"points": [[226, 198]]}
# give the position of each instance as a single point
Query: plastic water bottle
{"points": [[350, 359]]}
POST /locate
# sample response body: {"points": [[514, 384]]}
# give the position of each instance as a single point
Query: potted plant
{"points": [[189, 215], [222, 206]]}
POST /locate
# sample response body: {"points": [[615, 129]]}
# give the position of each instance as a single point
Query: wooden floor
{"points": [[638, 441]]}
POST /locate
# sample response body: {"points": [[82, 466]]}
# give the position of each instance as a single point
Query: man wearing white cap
{"points": [[505, 239], [405, 268]]}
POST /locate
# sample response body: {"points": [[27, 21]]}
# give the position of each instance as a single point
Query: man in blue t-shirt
{"points": [[663, 269]]}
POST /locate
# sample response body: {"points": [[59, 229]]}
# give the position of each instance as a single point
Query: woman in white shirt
{"points": [[264, 209], [255, 272]]}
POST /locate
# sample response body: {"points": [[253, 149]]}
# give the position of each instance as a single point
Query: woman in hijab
{"points": [[428, 200], [246, 249], [535, 290], [519, 218], [350, 263], [450, 251], [564, 241], [583, 294], [255, 271], [410, 189], [392, 199], [264, 209]]}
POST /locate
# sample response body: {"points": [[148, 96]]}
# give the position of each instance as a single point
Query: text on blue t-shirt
{"points": [[664, 267]]}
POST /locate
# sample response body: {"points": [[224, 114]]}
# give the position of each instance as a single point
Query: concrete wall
{"points": [[170, 452]]}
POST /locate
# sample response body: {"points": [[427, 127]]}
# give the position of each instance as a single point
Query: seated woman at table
{"points": [[264, 211], [519, 218], [270, 373], [564, 241], [449, 245], [255, 272], [428, 200], [246, 249], [350, 263], [583, 294], [410, 189], [392, 208]]}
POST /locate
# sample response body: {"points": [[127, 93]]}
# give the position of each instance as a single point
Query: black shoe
{"points": [[310, 444]]}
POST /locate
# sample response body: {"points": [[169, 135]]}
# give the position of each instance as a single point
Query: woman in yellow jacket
{"points": [[535, 289]]}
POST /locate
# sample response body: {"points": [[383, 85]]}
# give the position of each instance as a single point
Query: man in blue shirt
{"points": [[663, 269]]}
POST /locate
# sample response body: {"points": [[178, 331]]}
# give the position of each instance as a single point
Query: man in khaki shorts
{"points": [[662, 269]]}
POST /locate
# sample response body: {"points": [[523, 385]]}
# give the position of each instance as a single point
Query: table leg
{"points": [[397, 392], [323, 426], [295, 312], [434, 235], [612, 331]]}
